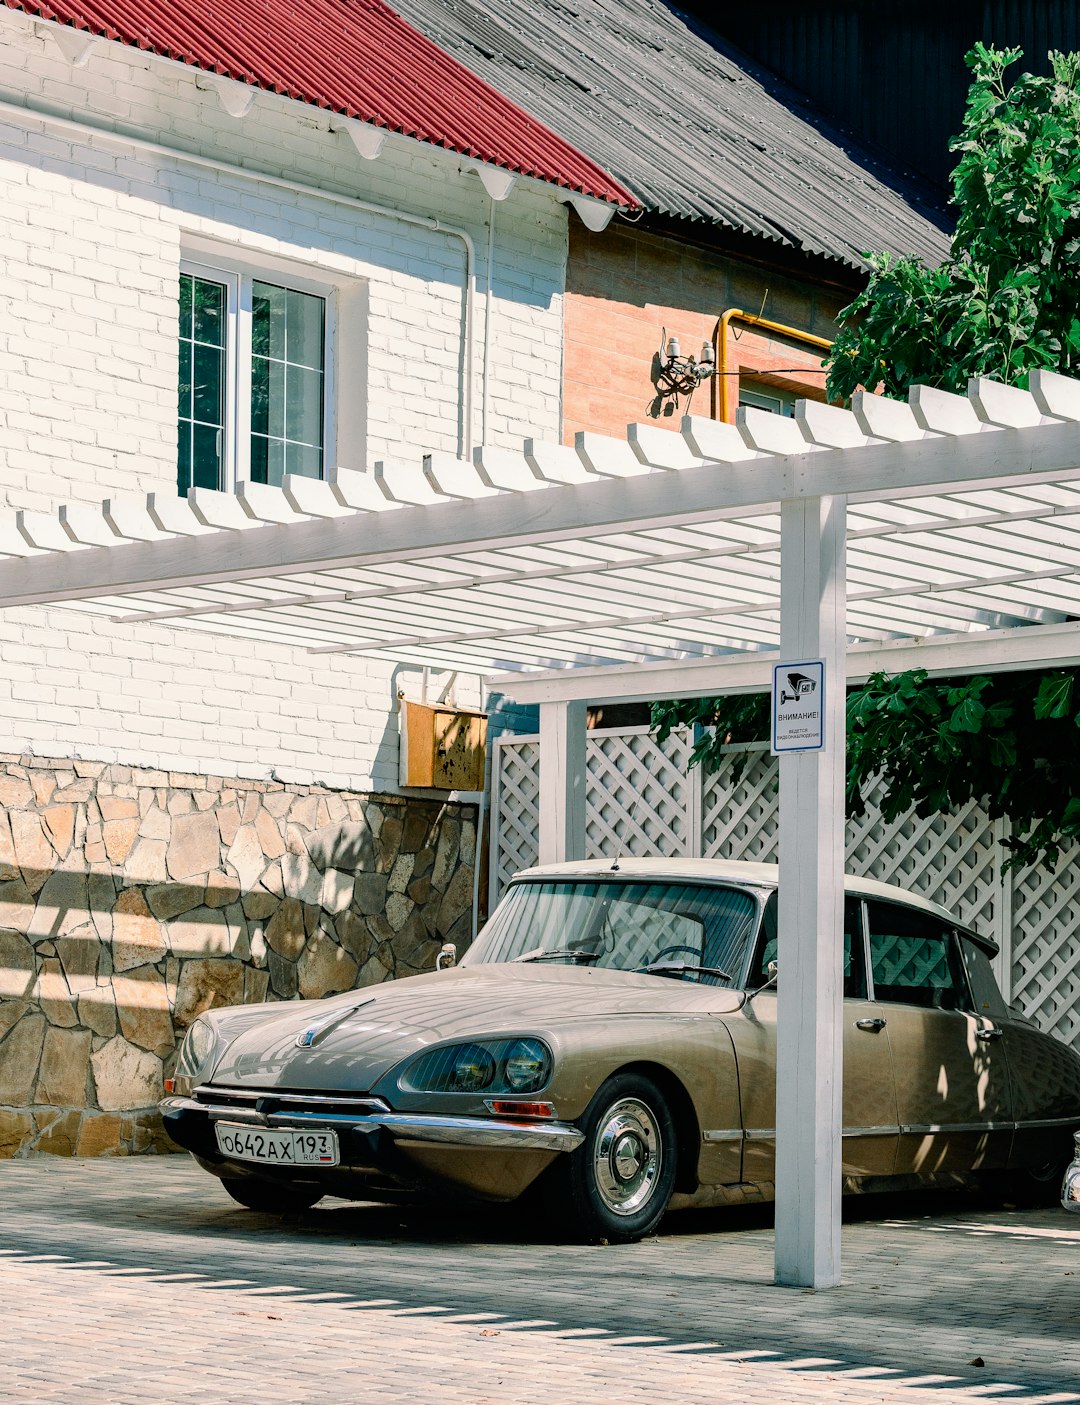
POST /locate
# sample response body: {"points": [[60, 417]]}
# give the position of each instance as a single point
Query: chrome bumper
{"points": [[402, 1126], [1070, 1187]]}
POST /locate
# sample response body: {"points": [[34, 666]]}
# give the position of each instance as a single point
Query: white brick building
{"points": [[95, 233]]}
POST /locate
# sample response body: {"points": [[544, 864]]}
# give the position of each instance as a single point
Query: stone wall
{"points": [[131, 900]]}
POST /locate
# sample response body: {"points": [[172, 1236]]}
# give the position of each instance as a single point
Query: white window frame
{"points": [[772, 399], [237, 275]]}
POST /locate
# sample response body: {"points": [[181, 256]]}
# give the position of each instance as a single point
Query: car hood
{"points": [[354, 1039]]}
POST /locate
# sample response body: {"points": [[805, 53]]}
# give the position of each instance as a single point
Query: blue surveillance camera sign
{"points": [[798, 707]]}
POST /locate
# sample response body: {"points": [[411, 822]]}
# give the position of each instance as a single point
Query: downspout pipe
{"points": [[721, 396], [85, 130]]}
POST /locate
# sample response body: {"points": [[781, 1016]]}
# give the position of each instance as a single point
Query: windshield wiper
{"points": [[574, 953], [679, 968]]}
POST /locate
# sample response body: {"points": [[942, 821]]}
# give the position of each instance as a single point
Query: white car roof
{"points": [[757, 875]]}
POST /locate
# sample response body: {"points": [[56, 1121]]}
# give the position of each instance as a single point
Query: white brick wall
{"points": [[91, 235]]}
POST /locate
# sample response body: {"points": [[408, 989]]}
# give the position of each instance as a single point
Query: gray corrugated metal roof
{"points": [[695, 130]]}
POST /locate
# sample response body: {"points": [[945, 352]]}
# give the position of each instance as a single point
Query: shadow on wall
{"points": [[131, 901]]}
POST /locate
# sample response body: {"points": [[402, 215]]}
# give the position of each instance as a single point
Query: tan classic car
{"points": [[609, 1038]]}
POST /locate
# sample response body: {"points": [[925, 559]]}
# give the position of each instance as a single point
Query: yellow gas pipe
{"points": [[721, 396]]}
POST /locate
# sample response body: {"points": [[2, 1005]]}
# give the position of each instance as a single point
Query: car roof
{"points": [[754, 875]]}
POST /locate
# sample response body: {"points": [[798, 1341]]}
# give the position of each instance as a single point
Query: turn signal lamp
{"points": [[516, 1109]]}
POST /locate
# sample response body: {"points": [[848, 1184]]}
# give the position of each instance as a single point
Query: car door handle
{"points": [[875, 1024], [987, 1034]]}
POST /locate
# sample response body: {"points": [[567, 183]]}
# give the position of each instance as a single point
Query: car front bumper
{"points": [[371, 1137]]}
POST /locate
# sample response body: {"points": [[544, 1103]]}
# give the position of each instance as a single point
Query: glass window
{"points": [[915, 959], [854, 960], [287, 340], [279, 334], [622, 926], [201, 407], [777, 400]]}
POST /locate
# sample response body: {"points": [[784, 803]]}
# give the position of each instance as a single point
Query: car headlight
{"points": [[499, 1066], [196, 1055]]}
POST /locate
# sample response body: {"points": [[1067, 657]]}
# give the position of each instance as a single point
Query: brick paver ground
{"points": [[135, 1281]]}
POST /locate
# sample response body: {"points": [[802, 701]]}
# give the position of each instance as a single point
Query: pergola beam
{"points": [[709, 493], [1000, 650]]}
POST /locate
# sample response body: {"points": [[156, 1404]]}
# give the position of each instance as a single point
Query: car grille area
{"points": [[270, 1103]]}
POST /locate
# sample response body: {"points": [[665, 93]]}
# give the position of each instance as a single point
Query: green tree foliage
{"points": [[1005, 302]]}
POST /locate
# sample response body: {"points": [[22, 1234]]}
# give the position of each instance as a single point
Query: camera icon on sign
{"points": [[801, 687]]}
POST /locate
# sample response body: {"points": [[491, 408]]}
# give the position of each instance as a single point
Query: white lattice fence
{"points": [[1045, 948], [515, 808], [640, 800], [637, 794]]}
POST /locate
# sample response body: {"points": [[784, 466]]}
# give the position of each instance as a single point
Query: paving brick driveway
{"points": [[135, 1281]]}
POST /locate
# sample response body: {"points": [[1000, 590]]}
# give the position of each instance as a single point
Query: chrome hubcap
{"points": [[627, 1156]]}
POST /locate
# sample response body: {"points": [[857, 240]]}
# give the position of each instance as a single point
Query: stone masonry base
{"points": [[131, 900]]}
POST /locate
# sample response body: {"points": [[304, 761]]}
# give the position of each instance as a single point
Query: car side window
{"points": [[915, 959], [854, 964]]}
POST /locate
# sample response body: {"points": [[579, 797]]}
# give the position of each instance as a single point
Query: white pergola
{"points": [[941, 533]]}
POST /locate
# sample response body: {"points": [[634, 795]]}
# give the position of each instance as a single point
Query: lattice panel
{"points": [[636, 795], [516, 803], [1046, 951], [741, 821], [952, 859]]}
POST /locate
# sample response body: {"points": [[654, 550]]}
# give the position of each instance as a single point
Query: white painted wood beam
{"points": [[562, 781], [653, 501], [999, 650], [809, 1011]]}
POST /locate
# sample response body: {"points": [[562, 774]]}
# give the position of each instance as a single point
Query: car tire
{"points": [[1037, 1187], [616, 1185], [271, 1197]]}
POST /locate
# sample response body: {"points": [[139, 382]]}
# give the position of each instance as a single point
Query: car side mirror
{"points": [[447, 957]]}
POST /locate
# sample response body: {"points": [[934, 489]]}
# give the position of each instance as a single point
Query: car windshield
{"points": [[693, 931]]}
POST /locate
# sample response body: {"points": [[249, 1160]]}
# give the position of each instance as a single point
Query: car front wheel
{"points": [[617, 1184], [271, 1197]]}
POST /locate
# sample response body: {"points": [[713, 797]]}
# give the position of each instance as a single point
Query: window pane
{"points": [[287, 383], [258, 458], [205, 456], [267, 460], [207, 385], [183, 459], [304, 405], [305, 330], [622, 926], [268, 306], [183, 403], [186, 295], [274, 376], [201, 383], [854, 966], [260, 395], [209, 312], [303, 460], [915, 959]]}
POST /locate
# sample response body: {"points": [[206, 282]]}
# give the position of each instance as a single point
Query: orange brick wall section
{"points": [[625, 285]]}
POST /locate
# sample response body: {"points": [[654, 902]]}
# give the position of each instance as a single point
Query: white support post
{"points": [[809, 1032], [562, 781]]}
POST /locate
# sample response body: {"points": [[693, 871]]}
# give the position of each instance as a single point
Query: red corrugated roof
{"points": [[356, 57]]}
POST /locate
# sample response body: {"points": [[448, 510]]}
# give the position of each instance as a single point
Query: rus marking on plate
{"points": [[798, 706]]}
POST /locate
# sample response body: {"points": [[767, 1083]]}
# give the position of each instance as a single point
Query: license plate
{"points": [[277, 1148]]}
